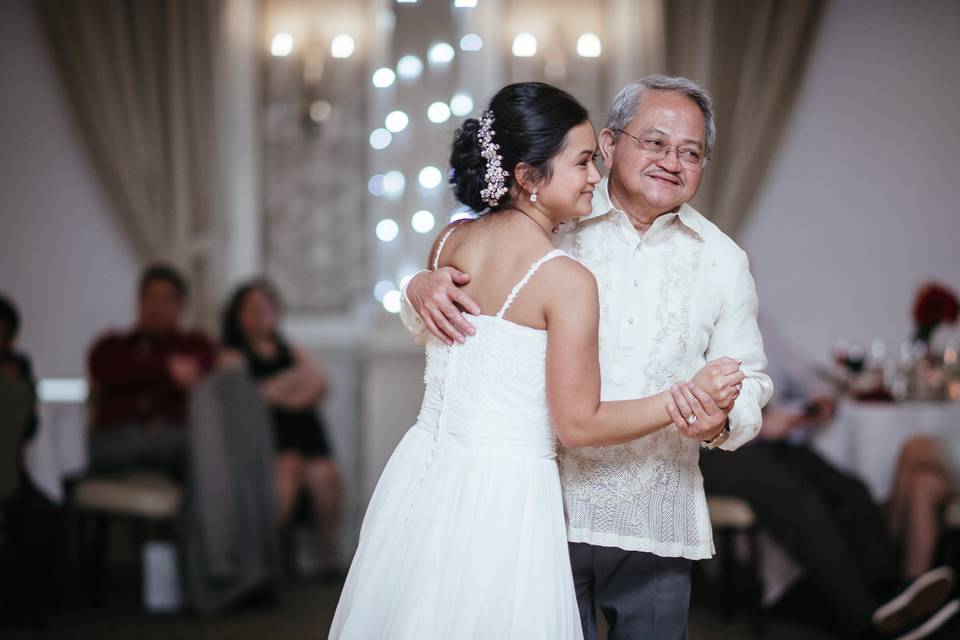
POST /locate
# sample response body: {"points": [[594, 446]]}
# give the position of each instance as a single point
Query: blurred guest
{"points": [[32, 525], [292, 384], [230, 542], [140, 378], [928, 473], [14, 365], [825, 518]]}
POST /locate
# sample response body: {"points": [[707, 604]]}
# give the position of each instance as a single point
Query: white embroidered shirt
{"points": [[670, 300]]}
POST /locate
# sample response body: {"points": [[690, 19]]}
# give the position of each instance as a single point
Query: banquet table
{"points": [[865, 438]]}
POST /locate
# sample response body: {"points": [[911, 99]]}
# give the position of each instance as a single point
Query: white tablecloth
{"points": [[866, 437], [59, 448]]}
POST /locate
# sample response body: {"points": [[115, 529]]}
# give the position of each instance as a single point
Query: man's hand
{"points": [[721, 378], [694, 412], [185, 370], [435, 296]]}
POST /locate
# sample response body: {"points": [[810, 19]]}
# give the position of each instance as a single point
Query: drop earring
{"points": [[533, 197]]}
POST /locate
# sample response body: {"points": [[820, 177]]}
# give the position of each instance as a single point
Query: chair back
{"points": [[16, 402]]}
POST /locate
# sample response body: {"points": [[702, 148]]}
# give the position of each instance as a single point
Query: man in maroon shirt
{"points": [[140, 380]]}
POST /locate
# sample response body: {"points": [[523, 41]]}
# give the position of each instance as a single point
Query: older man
{"points": [[675, 292]]}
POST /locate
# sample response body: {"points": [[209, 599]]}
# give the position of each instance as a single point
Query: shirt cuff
{"points": [[411, 321], [745, 421]]}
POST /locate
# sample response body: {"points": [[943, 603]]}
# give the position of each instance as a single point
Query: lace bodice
{"points": [[491, 390]]}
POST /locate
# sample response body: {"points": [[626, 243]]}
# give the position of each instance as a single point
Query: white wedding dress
{"points": [[464, 536]]}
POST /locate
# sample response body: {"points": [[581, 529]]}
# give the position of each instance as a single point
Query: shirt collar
{"points": [[603, 205]]}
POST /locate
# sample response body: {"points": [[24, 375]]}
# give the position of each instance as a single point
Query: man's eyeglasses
{"points": [[690, 157]]}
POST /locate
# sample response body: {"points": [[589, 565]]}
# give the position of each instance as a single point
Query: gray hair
{"points": [[624, 106]]}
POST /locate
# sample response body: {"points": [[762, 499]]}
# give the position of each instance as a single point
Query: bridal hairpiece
{"points": [[495, 175]]}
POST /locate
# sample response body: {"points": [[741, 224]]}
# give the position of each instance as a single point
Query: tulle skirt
{"points": [[461, 542]]}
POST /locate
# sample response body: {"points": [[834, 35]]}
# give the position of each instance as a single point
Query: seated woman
{"points": [[928, 474], [292, 384]]}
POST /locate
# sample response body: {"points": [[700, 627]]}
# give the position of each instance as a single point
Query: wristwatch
{"points": [[718, 439]]}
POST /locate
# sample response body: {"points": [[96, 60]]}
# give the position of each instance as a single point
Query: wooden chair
{"points": [[730, 518], [147, 501]]}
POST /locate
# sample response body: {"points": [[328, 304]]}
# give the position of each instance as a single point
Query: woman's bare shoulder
{"points": [[571, 269]]}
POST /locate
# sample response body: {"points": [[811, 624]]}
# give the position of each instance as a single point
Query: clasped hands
{"points": [[699, 408]]}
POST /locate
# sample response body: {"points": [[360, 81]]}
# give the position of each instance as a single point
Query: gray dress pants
{"points": [[642, 596], [125, 448]]}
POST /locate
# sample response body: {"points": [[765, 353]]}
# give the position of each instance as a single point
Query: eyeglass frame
{"points": [[666, 149]]}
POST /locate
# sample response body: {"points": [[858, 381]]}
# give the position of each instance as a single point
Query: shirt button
{"points": [[636, 283], [630, 319]]}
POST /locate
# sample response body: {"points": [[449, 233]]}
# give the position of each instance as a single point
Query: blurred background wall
{"points": [[61, 257], [862, 202]]}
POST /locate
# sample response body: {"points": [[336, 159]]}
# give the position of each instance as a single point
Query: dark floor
{"points": [[304, 611]]}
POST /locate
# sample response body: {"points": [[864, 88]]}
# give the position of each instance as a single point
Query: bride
{"points": [[464, 536]]}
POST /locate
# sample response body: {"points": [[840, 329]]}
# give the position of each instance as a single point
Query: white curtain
{"points": [[751, 55], [139, 76]]}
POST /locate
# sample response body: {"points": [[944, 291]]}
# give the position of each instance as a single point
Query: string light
{"points": [[438, 112], [423, 221], [409, 67], [524, 45], [461, 104], [375, 185], [383, 77], [393, 184], [588, 46], [381, 289], [391, 301], [440, 53], [282, 45], [471, 42], [342, 46], [380, 139], [387, 230], [396, 121], [430, 177]]}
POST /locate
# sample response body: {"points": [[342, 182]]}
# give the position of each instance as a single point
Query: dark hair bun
{"points": [[467, 175], [530, 124]]}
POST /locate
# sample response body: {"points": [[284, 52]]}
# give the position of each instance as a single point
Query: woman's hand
{"points": [[230, 359], [694, 412]]}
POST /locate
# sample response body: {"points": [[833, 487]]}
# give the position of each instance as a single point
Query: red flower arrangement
{"points": [[934, 304]]}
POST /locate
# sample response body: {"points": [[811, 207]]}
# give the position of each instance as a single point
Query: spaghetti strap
{"points": [[443, 241], [532, 270]]}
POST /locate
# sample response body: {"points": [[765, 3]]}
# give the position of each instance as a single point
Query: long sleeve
{"points": [[205, 351], [114, 361], [737, 335], [130, 378], [411, 321]]}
